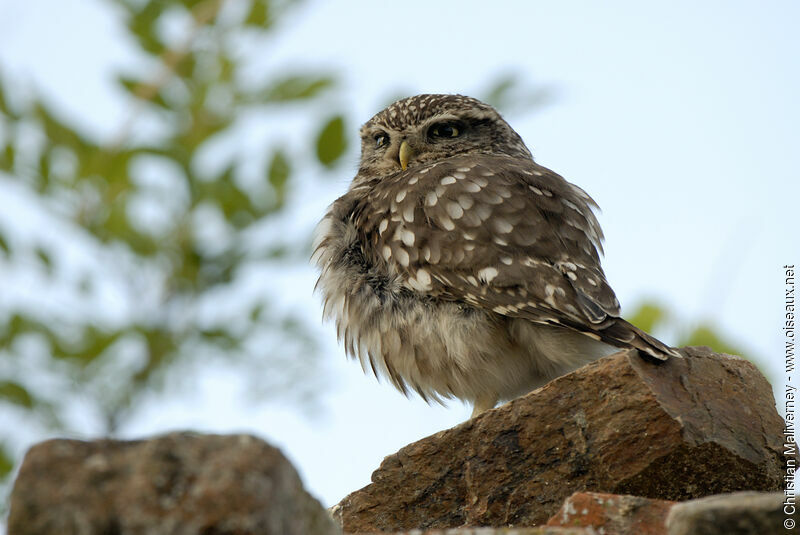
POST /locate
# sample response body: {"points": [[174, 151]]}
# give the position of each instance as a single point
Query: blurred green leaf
{"points": [[6, 462], [499, 94], [259, 14], [45, 258], [56, 132], [142, 24], [7, 158], [99, 183], [706, 335], [278, 174], [295, 87], [16, 394], [648, 317], [143, 90], [4, 246], [331, 141], [3, 104]]}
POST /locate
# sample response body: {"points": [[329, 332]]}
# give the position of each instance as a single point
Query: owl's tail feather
{"points": [[623, 334]]}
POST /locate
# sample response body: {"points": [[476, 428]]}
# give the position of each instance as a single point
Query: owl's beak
{"points": [[404, 154]]}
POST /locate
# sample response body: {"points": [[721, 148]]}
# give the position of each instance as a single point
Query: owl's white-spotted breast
{"points": [[456, 266]]}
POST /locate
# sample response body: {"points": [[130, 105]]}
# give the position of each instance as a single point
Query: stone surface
{"points": [[613, 513], [543, 530], [687, 428], [178, 484], [740, 513]]}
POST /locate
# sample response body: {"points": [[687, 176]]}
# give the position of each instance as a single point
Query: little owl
{"points": [[458, 267]]}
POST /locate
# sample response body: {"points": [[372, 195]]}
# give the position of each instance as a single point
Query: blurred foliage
{"points": [[653, 317], [165, 219], [169, 267]]}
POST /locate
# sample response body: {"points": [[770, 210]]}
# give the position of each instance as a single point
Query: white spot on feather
{"points": [[407, 237], [487, 274], [454, 210], [402, 256], [446, 222], [408, 213]]}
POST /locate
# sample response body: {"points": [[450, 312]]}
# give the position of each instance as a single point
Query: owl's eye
{"points": [[444, 130], [381, 140]]}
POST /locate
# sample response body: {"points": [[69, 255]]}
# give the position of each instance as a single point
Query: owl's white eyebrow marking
{"points": [[447, 180]]}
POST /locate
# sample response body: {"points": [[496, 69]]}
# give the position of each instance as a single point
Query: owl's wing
{"points": [[501, 234]]}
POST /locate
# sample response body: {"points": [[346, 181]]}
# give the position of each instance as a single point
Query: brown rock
{"points": [[542, 530], [178, 484], [687, 428], [740, 513], [614, 513]]}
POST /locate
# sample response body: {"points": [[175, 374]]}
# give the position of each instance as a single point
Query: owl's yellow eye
{"points": [[444, 130], [381, 140]]}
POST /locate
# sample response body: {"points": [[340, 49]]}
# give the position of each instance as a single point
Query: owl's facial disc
{"points": [[429, 128]]}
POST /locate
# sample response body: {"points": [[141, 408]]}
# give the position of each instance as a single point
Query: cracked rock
{"points": [[704, 424], [177, 484]]}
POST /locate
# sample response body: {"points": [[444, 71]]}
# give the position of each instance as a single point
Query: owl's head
{"points": [[419, 130]]}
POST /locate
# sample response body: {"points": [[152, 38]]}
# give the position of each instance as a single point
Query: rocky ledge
{"points": [[687, 428], [619, 446]]}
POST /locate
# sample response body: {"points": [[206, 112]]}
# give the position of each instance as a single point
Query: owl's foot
{"points": [[483, 404]]}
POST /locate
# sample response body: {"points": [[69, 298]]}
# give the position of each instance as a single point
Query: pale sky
{"points": [[680, 119]]}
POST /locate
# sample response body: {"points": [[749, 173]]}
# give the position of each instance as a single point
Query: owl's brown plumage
{"points": [[457, 266]]}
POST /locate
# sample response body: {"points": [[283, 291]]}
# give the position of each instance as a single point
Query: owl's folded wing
{"points": [[500, 234]]}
